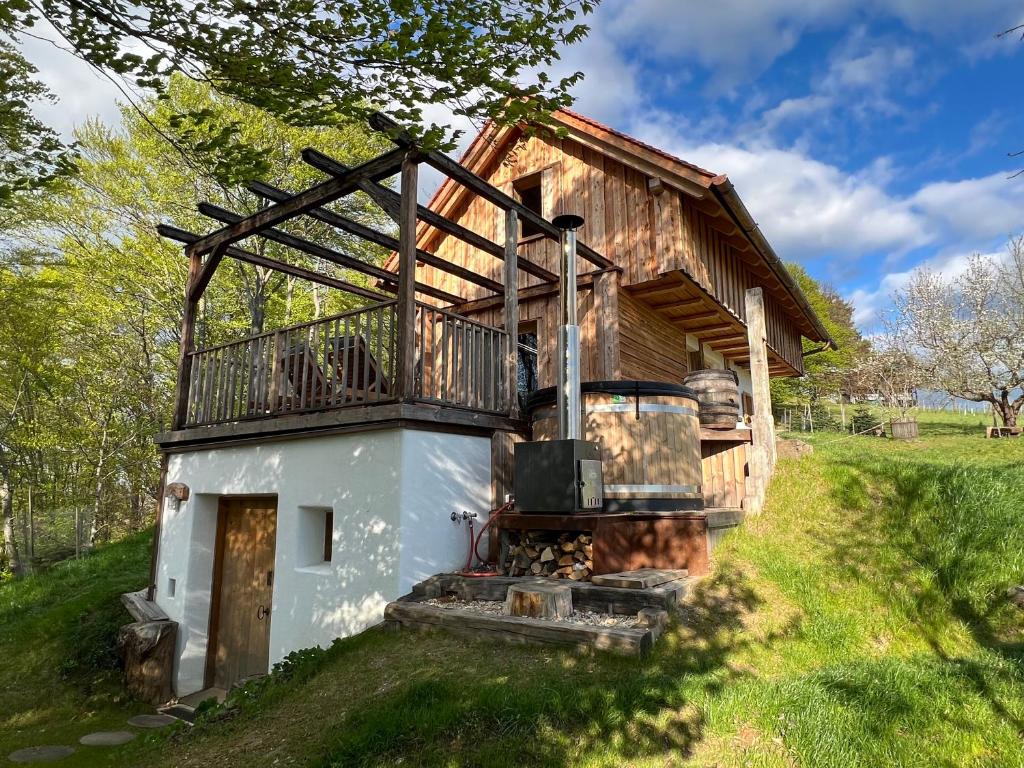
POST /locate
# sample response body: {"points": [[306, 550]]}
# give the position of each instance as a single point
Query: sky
{"points": [[867, 138]]}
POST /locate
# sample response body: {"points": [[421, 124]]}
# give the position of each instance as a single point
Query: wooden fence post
{"points": [[405, 377], [762, 449], [512, 311]]}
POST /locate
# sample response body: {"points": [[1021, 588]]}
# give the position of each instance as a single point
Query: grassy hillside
{"points": [[58, 667], [860, 621]]}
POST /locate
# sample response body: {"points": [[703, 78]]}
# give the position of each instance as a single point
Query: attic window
{"points": [[528, 192]]}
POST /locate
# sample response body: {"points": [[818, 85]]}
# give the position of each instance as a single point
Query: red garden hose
{"points": [[474, 544]]}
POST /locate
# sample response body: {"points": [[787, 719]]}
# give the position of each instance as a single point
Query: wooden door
{"points": [[243, 590]]}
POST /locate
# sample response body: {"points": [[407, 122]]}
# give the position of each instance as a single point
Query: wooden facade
{"points": [[683, 264]]}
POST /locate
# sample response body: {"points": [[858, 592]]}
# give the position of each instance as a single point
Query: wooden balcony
{"points": [[350, 360]]}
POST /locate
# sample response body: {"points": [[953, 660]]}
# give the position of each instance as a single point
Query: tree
{"points": [[92, 303], [327, 62], [31, 155], [826, 373], [967, 331]]}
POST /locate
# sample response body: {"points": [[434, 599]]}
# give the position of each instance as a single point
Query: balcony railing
{"points": [[348, 360]]}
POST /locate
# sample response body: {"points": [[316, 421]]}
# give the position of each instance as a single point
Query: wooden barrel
{"points": [[649, 435], [718, 394], [903, 430]]}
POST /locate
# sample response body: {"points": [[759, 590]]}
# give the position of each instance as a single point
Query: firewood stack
{"points": [[567, 555]]}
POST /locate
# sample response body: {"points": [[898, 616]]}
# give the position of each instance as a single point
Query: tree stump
{"points": [[539, 601], [147, 648]]}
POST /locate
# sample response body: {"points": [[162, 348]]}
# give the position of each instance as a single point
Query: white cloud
{"points": [[985, 207], [739, 39], [81, 91]]}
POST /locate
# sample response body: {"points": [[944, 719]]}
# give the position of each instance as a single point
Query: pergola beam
{"points": [[374, 170], [328, 254], [389, 200], [186, 237], [481, 187], [346, 224]]}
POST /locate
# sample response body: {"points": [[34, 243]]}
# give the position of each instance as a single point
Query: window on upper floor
{"points": [[527, 190]]}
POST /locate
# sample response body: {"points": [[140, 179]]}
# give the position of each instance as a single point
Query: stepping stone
{"points": [[50, 754], [151, 721], [107, 738]]}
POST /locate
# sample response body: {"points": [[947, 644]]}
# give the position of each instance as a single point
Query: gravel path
{"points": [[497, 608]]}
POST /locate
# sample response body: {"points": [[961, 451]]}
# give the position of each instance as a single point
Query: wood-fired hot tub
{"points": [[649, 433]]}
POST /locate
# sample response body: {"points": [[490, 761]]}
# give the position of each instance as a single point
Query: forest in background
{"points": [[92, 298]]}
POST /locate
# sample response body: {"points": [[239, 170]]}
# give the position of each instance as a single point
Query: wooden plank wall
{"points": [[646, 234], [651, 348], [724, 468]]}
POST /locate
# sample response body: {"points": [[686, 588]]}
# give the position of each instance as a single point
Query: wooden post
{"points": [[188, 329], [762, 449], [512, 311], [405, 377], [606, 307]]}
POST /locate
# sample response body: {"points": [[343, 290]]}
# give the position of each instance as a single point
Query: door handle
{"points": [[262, 612]]}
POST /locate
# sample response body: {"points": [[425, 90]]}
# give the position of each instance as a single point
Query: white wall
{"points": [[392, 493]]}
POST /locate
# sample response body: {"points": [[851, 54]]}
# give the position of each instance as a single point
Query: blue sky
{"points": [[867, 138]]}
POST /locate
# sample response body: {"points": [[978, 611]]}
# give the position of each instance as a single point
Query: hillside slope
{"points": [[58, 665], [861, 621]]}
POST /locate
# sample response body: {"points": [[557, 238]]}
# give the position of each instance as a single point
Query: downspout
{"points": [[823, 348], [726, 193]]}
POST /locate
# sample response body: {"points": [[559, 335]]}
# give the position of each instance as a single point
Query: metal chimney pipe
{"points": [[568, 331]]}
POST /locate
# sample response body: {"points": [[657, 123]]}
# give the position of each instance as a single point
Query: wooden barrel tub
{"points": [[649, 435]]}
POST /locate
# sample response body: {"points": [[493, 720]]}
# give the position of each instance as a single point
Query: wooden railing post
{"points": [[405, 377], [762, 449], [606, 310], [511, 393]]}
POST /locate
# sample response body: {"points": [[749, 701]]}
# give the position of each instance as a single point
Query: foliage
{"points": [[326, 62], [967, 330], [827, 372], [92, 303], [31, 154], [862, 420], [861, 620]]}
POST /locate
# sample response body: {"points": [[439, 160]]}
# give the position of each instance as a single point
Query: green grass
{"points": [[58, 665], [860, 621]]}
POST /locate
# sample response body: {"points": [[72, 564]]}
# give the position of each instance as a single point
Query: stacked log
{"points": [[566, 555]]}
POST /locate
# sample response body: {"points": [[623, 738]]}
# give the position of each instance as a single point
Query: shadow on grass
{"points": [[940, 543], [536, 714]]}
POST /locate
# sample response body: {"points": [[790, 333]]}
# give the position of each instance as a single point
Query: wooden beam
{"points": [[606, 308], [188, 327], [677, 303], [512, 312], [583, 282], [329, 254], [183, 236], [199, 285], [483, 188], [405, 377], [379, 238], [762, 457], [388, 200], [374, 170]]}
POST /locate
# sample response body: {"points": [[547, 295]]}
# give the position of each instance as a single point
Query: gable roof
{"points": [[706, 186]]}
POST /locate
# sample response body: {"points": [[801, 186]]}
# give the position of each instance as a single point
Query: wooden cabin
{"points": [[316, 472]]}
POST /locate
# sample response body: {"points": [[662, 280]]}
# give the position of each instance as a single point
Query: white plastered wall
{"points": [[392, 493]]}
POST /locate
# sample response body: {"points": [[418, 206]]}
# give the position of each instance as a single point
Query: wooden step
{"points": [[643, 578]]}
